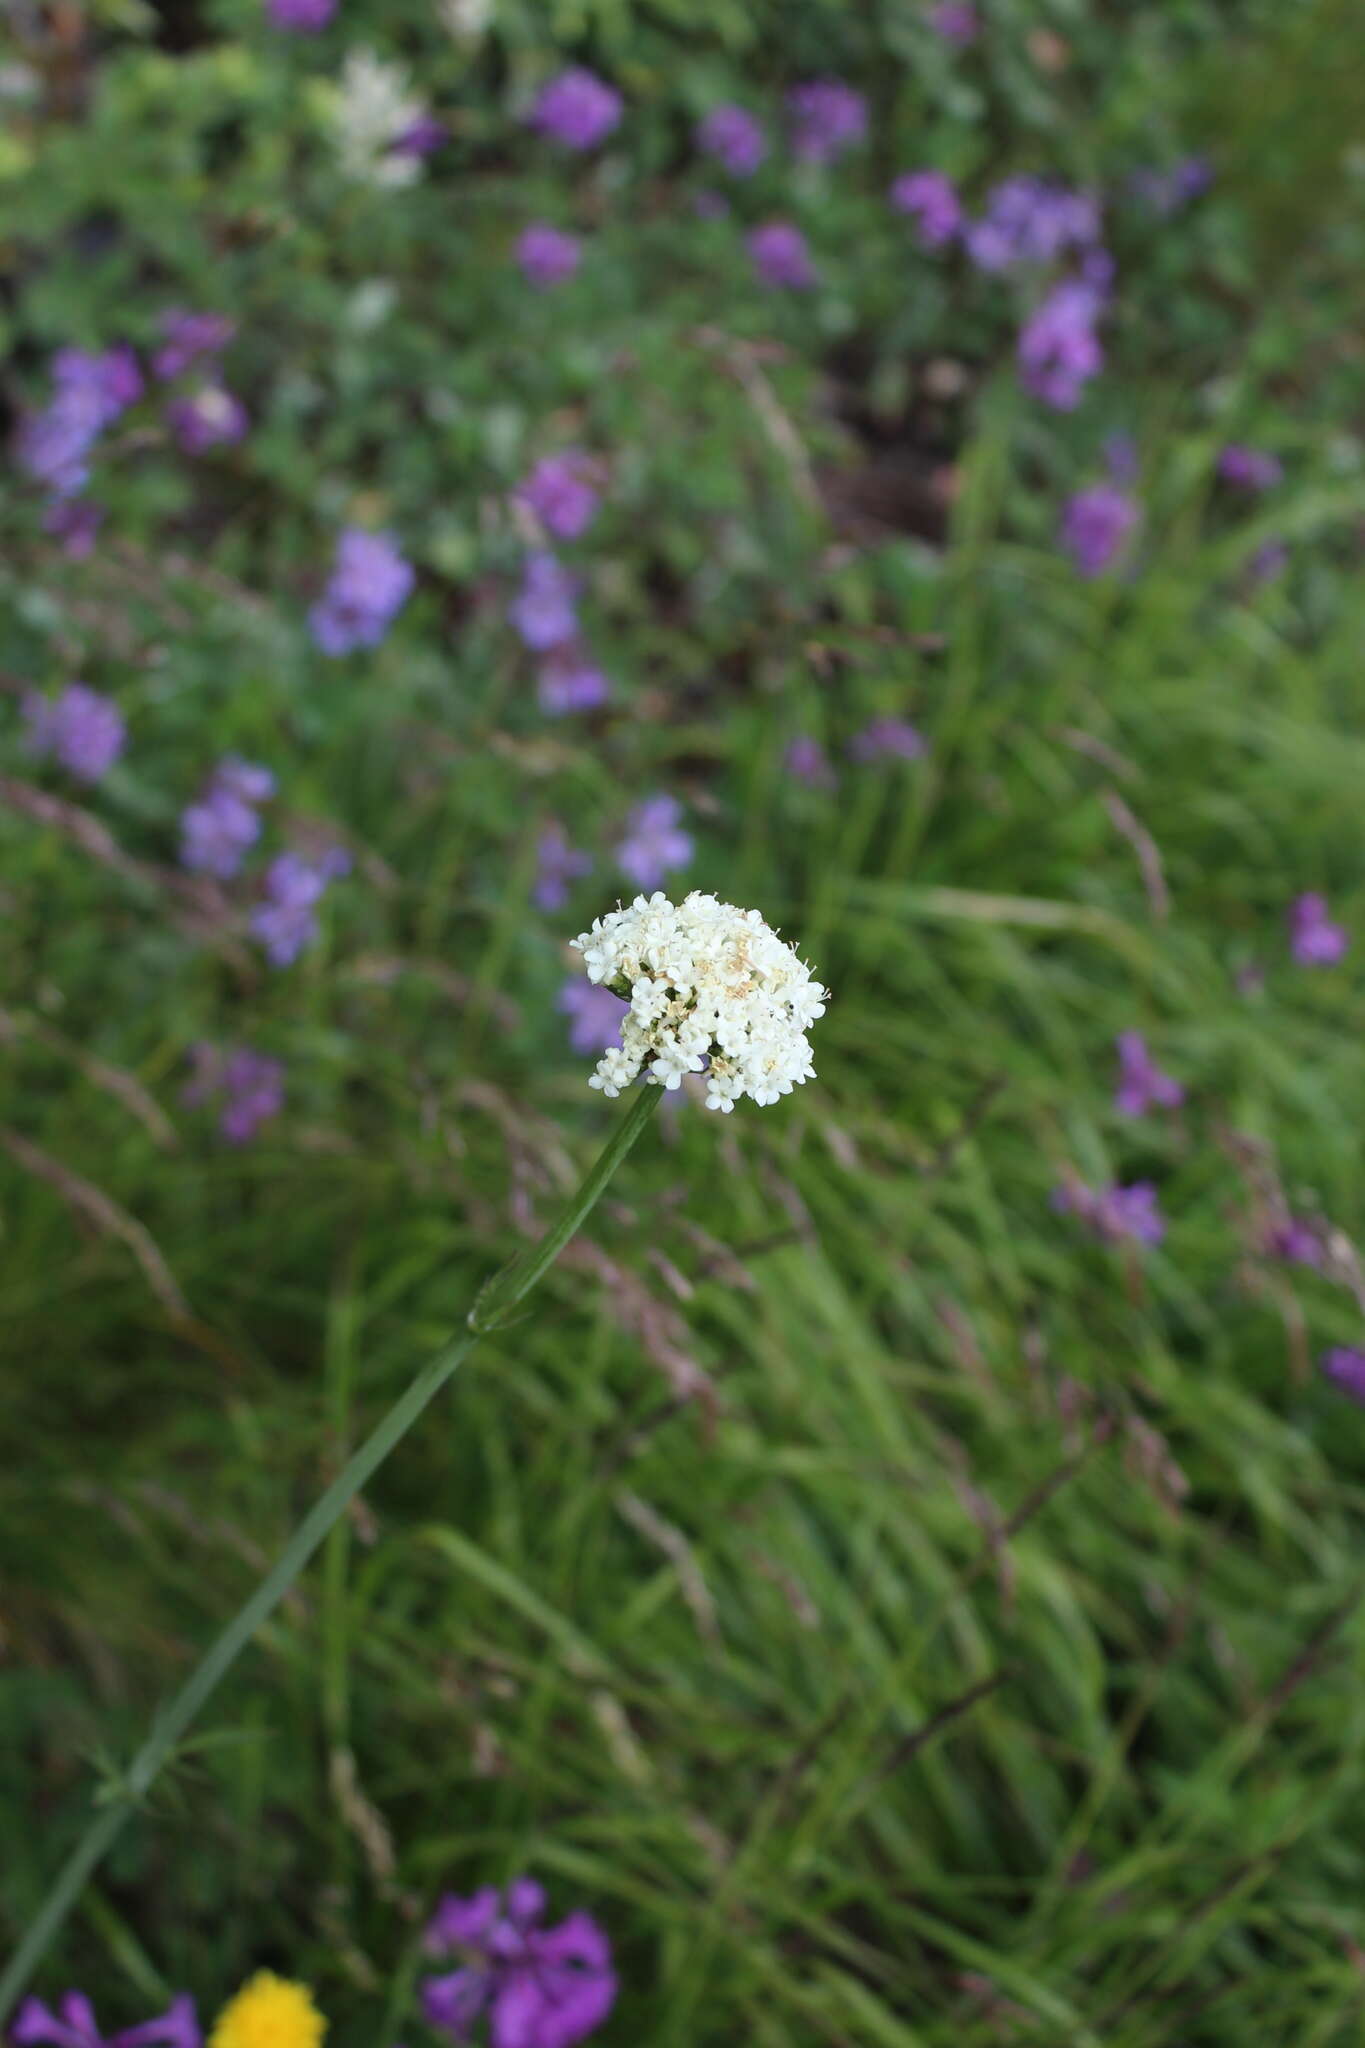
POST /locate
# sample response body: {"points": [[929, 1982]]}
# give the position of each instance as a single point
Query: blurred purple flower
{"points": [[957, 21], [1268, 561], [422, 138], [1249, 469], [89, 393], [218, 830], [559, 866], [305, 17], [1313, 938], [807, 760], [74, 2025], [569, 681], [1113, 1213], [828, 118], [369, 585], [561, 493], [1059, 350], [285, 921], [594, 1015], [82, 730], [187, 337], [548, 256], [780, 256], [655, 843], [211, 417], [539, 1987], [932, 200], [1142, 1084], [249, 1087], [577, 108], [1095, 524], [1295, 1240], [1031, 221], [1345, 1367], [734, 138], [1166, 191], [884, 739], [74, 522], [1121, 458], [542, 612]]}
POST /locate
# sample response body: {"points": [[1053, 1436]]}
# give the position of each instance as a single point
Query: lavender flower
{"points": [[74, 522], [82, 730], [304, 17], [1114, 1213], [248, 1087], [828, 118], [655, 843], [594, 1015], [577, 108], [369, 585], [188, 337], [285, 921], [1031, 221], [539, 1987], [931, 199], [90, 392], [1142, 1084], [559, 866], [1313, 938], [211, 417], [74, 2025], [957, 21], [218, 831], [1095, 524], [780, 256], [1345, 1367], [734, 138], [1295, 1240], [807, 760], [883, 739], [1249, 469], [570, 681], [542, 612], [1059, 350], [421, 137], [547, 256], [561, 493]]}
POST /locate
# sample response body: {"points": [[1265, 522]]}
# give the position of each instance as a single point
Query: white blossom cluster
{"points": [[711, 988], [371, 110]]}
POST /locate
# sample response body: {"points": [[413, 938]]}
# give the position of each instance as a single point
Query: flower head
{"points": [[807, 760], [372, 111], [828, 117], [370, 583], [594, 1015], [734, 138], [781, 257], [269, 2012], [187, 338], [218, 830], [931, 200], [285, 921], [1095, 524], [1115, 1212], [248, 1087], [655, 843], [75, 522], [559, 865], [711, 987], [73, 2025], [1031, 221], [305, 17], [89, 393], [1345, 1367], [211, 417], [547, 256], [560, 491], [540, 1987], [1142, 1084], [1249, 469], [1059, 350], [569, 681], [957, 21], [883, 739], [1314, 940], [542, 612], [82, 731], [577, 108]]}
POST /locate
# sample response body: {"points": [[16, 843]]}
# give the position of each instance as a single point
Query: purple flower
{"points": [[1249, 469], [285, 921], [249, 1088], [577, 108], [734, 138], [218, 831], [370, 583], [89, 393], [1346, 1369], [1095, 524], [807, 760], [1142, 1084], [1166, 191], [305, 17], [828, 117], [1031, 221], [1295, 1240], [780, 256], [1269, 560], [594, 1015], [1114, 1213], [211, 417], [569, 681], [957, 21], [188, 336], [547, 256], [561, 493], [73, 2025], [932, 200], [654, 843], [83, 731], [883, 739], [1313, 938], [1059, 350], [539, 1987], [111, 381], [559, 866], [74, 522], [422, 138], [542, 612]]}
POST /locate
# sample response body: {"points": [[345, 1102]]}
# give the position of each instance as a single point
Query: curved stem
{"points": [[491, 1311]]}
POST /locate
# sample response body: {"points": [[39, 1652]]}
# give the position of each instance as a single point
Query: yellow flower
{"points": [[269, 2012]]}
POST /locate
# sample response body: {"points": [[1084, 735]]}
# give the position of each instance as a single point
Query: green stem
{"points": [[493, 1308]]}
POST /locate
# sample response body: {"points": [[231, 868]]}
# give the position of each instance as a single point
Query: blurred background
{"points": [[897, 465]]}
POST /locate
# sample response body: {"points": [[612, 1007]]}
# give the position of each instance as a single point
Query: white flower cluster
{"points": [[710, 987], [371, 110]]}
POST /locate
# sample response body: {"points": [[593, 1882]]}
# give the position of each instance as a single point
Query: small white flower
{"points": [[710, 987], [372, 110], [466, 20]]}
